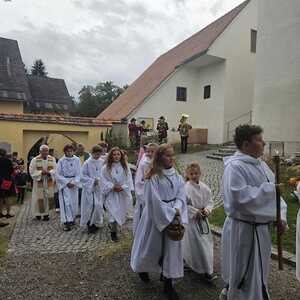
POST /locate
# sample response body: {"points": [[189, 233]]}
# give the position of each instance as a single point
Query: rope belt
{"points": [[168, 201], [254, 226]]}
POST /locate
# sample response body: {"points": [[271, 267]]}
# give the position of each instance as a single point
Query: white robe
{"points": [[139, 190], [249, 195], [148, 246], [91, 198], [68, 171], [117, 204], [297, 193], [37, 177], [197, 245]]}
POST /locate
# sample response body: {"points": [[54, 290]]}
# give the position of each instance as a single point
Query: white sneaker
{"points": [[223, 295], [57, 210]]}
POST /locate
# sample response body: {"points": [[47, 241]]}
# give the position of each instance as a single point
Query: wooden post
{"points": [[276, 160]]}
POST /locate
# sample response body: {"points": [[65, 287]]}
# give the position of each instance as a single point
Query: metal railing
{"points": [[245, 118]]}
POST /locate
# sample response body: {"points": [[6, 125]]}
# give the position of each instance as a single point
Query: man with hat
{"points": [[184, 129], [162, 129]]}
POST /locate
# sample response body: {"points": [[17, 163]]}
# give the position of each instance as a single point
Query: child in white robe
{"points": [[92, 198], [165, 204], [141, 172], [68, 181], [117, 186], [198, 241]]}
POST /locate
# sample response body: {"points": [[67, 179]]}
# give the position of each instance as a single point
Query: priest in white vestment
{"points": [[249, 193], [42, 169], [165, 201], [92, 198], [68, 182]]}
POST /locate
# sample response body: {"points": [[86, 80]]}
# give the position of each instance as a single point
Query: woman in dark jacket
{"points": [[6, 169]]}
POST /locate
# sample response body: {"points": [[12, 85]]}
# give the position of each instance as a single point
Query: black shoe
{"points": [[72, 223], [144, 277], [114, 237], [8, 216], [169, 290], [67, 227], [46, 218], [2, 215], [92, 228], [3, 224], [38, 217], [210, 277]]}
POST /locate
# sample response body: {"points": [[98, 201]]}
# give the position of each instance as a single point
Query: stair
{"points": [[226, 150]]}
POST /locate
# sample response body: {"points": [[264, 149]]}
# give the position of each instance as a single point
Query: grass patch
{"points": [[112, 249]]}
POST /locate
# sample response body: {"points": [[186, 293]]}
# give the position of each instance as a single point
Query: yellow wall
{"points": [[11, 107], [23, 135]]}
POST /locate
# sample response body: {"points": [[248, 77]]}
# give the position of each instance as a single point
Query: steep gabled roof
{"points": [[165, 65], [13, 81]]}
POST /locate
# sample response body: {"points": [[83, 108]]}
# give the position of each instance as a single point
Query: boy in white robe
{"points": [[198, 241], [117, 186], [249, 193], [68, 182], [141, 172], [42, 170], [92, 198], [165, 203]]}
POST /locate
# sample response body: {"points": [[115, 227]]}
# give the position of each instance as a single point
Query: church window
{"points": [[253, 40], [181, 94], [207, 90]]}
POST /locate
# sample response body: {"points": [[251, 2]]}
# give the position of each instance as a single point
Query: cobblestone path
{"points": [[212, 171]]}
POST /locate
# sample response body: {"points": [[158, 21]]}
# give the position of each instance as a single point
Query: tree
{"points": [[39, 68], [93, 100]]}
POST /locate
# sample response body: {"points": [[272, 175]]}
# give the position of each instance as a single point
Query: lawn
{"points": [[289, 239]]}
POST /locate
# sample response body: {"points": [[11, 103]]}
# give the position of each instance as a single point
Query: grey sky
{"points": [[87, 41]]}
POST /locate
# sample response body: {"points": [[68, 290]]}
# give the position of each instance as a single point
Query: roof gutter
{"points": [[192, 58]]}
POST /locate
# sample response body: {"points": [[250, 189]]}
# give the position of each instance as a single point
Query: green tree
{"points": [[39, 68], [93, 100]]}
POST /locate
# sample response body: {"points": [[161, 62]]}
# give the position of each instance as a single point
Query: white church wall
{"points": [[234, 45], [203, 113], [277, 90]]}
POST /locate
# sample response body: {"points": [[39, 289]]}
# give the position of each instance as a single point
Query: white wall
{"points": [[203, 113], [277, 92], [234, 45]]}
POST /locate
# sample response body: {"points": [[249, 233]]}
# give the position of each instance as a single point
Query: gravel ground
{"points": [[87, 276]]}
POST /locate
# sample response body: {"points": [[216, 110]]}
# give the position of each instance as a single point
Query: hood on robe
{"points": [[239, 156]]}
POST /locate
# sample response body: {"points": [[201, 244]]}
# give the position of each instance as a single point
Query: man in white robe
{"points": [[92, 198], [249, 195], [42, 170], [68, 181]]}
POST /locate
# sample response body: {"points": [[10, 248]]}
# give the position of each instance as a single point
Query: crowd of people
{"points": [[170, 222]]}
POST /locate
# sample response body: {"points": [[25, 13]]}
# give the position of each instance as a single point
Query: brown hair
{"points": [[109, 160], [68, 147], [157, 162], [192, 166], [103, 144], [96, 149]]}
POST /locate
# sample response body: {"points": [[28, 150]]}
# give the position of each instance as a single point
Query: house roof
{"points": [[165, 65], [13, 81]]}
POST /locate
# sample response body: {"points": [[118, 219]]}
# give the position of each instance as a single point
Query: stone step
{"points": [[213, 156], [226, 150], [222, 154]]}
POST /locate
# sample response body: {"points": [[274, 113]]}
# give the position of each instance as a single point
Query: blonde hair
{"points": [[157, 162], [190, 167]]}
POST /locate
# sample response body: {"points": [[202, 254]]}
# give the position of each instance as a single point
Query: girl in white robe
{"points": [[68, 181], [198, 241], [92, 198], [117, 186], [141, 172], [165, 201], [249, 194]]}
